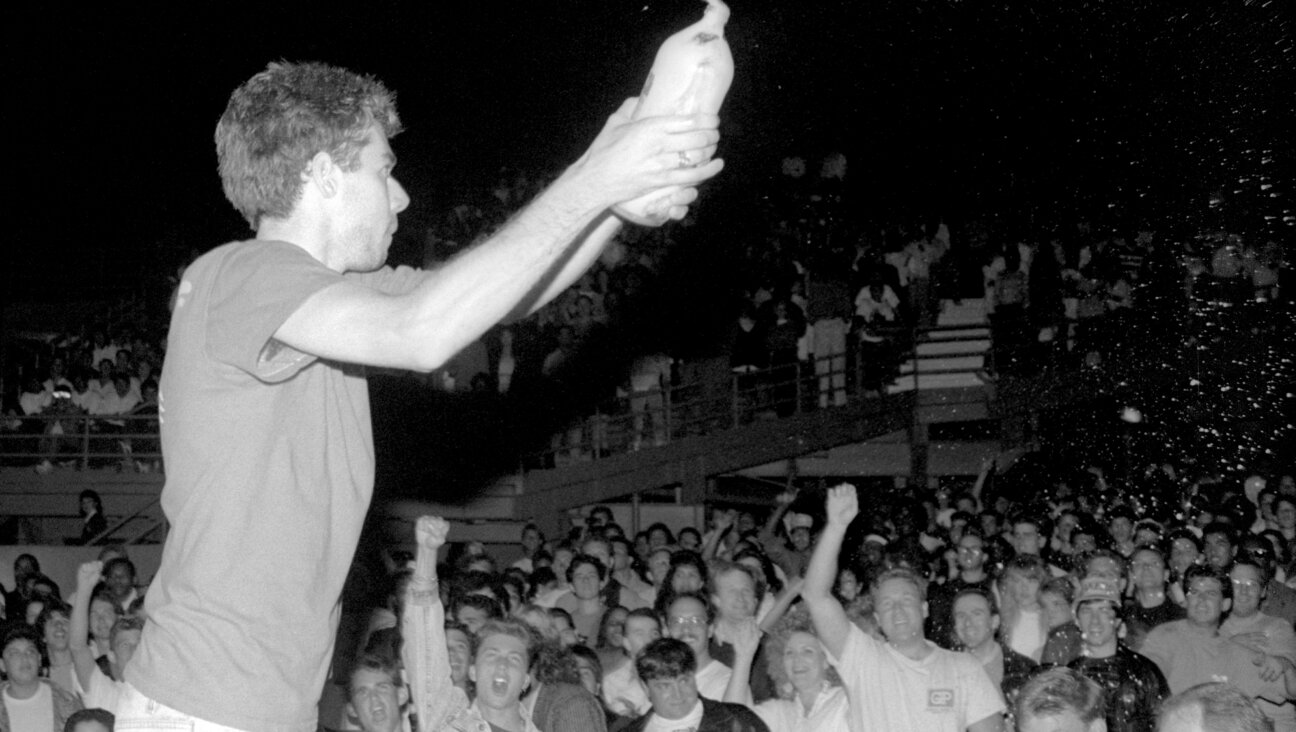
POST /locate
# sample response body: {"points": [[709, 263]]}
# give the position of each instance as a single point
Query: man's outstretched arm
{"points": [[830, 621], [535, 256], [433, 695]]}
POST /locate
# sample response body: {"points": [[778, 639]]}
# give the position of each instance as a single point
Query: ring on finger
{"points": [[684, 161]]}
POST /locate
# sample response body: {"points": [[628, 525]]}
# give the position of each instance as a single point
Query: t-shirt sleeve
{"points": [[858, 652], [257, 287], [983, 697]]}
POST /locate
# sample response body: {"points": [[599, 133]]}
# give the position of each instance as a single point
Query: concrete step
{"points": [[957, 348], [935, 381], [964, 313], [969, 362]]}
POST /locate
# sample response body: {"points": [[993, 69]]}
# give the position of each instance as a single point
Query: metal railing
{"points": [[78, 441], [743, 395]]}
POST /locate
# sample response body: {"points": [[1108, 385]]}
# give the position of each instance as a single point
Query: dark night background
{"points": [[1137, 109]]}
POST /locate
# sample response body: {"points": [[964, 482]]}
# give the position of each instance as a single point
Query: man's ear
{"points": [[1228, 603], [351, 714], [472, 672], [322, 173]]}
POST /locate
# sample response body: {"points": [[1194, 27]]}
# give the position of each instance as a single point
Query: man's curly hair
{"points": [[278, 120]]}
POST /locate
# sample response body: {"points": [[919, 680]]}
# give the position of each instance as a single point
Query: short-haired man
{"points": [[905, 683], [1060, 700], [501, 662], [976, 625], [622, 691], [1270, 637], [1192, 651], [266, 432], [1219, 543], [24, 694], [667, 668], [1212, 707], [736, 591], [688, 619], [376, 696], [1135, 686], [970, 560]]}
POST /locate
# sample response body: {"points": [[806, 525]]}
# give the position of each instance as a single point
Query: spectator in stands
{"points": [[1220, 543], [903, 669], [792, 554], [1025, 627], [623, 692], [96, 688], [810, 696], [687, 573], [1192, 651], [376, 695], [976, 626], [532, 541], [103, 615], [1150, 604], [971, 574], [1268, 636], [53, 624], [668, 671], [20, 660], [1212, 707], [688, 618], [1278, 600], [119, 578], [89, 720], [473, 611], [587, 576], [1135, 687], [93, 522], [736, 592], [1060, 700], [591, 677]]}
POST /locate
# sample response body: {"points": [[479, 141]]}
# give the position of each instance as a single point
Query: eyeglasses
{"points": [[970, 550], [688, 620], [1246, 584], [1211, 594]]}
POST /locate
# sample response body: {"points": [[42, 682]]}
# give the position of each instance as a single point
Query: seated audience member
{"points": [[688, 619], [1192, 651], [976, 625], [906, 682], [25, 697], [1135, 687], [96, 688], [93, 522], [1271, 638], [1212, 707], [1060, 700], [812, 698], [90, 720], [376, 696], [622, 691], [668, 670]]}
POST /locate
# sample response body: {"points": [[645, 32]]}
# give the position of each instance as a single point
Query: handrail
{"points": [[82, 441], [121, 522]]}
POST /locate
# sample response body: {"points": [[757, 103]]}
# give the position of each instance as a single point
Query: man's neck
{"points": [[1211, 629], [23, 691], [986, 651], [914, 648], [1106, 650], [589, 606], [60, 656], [972, 575], [508, 718]]}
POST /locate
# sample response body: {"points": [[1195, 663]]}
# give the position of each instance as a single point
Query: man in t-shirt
{"points": [[906, 683], [264, 404]]}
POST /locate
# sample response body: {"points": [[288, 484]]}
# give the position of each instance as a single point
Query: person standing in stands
{"points": [[264, 402]]}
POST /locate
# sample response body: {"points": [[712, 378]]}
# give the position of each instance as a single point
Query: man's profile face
{"points": [[459, 650], [367, 204], [735, 596], [500, 670], [376, 700], [973, 622], [673, 698]]}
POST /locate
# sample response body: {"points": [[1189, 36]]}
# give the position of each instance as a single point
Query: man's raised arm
{"points": [[433, 694], [829, 618], [535, 256]]}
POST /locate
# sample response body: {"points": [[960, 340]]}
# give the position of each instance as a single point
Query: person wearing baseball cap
{"points": [[1135, 686]]}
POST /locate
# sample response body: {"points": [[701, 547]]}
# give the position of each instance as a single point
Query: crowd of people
{"points": [[956, 610]]}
